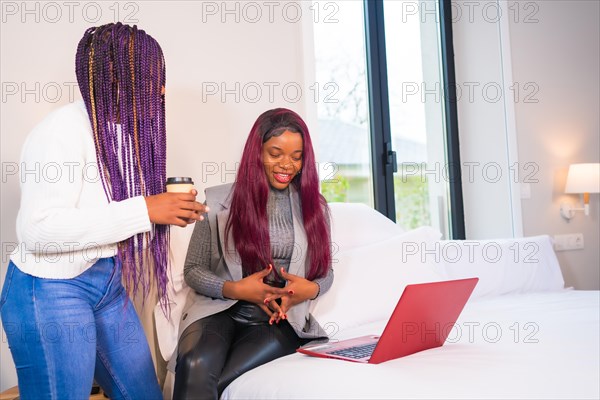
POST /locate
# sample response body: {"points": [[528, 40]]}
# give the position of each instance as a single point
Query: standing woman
{"points": [[256, 262], [102, 219]]}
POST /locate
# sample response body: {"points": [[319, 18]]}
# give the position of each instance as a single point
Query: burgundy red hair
{"points": [[248, 221]]}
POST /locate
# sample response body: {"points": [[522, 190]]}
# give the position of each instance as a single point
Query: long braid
{"points": [[121, 72]]}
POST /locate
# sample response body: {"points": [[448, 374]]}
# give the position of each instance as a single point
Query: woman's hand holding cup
{"points": [[178, 206]]}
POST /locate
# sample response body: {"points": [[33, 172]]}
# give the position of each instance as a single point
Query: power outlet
{"points": [[572, 241]]}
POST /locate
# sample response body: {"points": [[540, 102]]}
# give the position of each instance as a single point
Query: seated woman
{"points": [[256, 262]]}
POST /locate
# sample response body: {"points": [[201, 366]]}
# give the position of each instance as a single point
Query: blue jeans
{"points": [[63, 333]]}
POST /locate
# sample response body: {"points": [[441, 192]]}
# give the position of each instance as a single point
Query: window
{"points": [[390, 135], [344, 140]]}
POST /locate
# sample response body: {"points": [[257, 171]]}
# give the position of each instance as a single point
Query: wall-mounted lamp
{"points": [[582, 178]]}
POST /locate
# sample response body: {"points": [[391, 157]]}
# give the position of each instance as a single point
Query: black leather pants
{"points": [[215, 350]]}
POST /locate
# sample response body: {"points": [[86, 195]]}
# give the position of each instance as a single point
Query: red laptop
{"points": [[422, 319]]}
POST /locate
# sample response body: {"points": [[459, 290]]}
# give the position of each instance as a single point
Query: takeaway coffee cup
{"points": [[179, 184]]}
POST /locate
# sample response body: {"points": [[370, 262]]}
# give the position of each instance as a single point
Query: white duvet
{"points": [[536, 345]]}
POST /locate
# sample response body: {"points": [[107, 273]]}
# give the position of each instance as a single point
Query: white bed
{"points": [[538, 345], [521, 335]]}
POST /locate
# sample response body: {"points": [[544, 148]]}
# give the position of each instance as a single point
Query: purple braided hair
{"points": [[121, 75]]}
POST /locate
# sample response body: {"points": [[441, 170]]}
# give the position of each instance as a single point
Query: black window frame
{"points": [[382, 155]]}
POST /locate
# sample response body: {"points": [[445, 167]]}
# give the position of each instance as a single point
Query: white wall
{"points": [[481, 104], [560, 53], [202, 132], [548, 52]]}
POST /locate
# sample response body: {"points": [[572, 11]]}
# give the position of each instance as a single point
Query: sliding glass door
{"points": [[392, 134], [415, 87], [343, 113]]}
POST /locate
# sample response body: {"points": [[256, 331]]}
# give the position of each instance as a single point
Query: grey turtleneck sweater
{"points": [[281, 230]]}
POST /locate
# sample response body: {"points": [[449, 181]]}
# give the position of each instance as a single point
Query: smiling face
{"points": [[282, 158]]}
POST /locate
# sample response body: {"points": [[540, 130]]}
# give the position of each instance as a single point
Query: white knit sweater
{"points": [[65, 223]]}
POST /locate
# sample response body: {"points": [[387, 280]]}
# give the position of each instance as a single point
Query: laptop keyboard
{"points": [[356, 352]]}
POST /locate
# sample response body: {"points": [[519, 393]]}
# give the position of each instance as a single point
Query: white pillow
{"points": [[355, 224], [503, 266], [368, 280]]}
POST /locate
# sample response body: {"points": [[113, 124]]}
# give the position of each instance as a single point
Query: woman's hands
{"points": [[252, 289], [178, 209], [297, 290]]}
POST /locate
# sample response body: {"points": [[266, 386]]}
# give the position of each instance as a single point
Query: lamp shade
{"points": [[583, 178]]}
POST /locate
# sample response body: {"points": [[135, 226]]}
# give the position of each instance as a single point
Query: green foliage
{"points": [[411, 193], [336, 189], [412, 201]]}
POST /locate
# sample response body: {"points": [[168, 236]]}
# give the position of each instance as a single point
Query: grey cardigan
{"points": [[226, 264]]}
